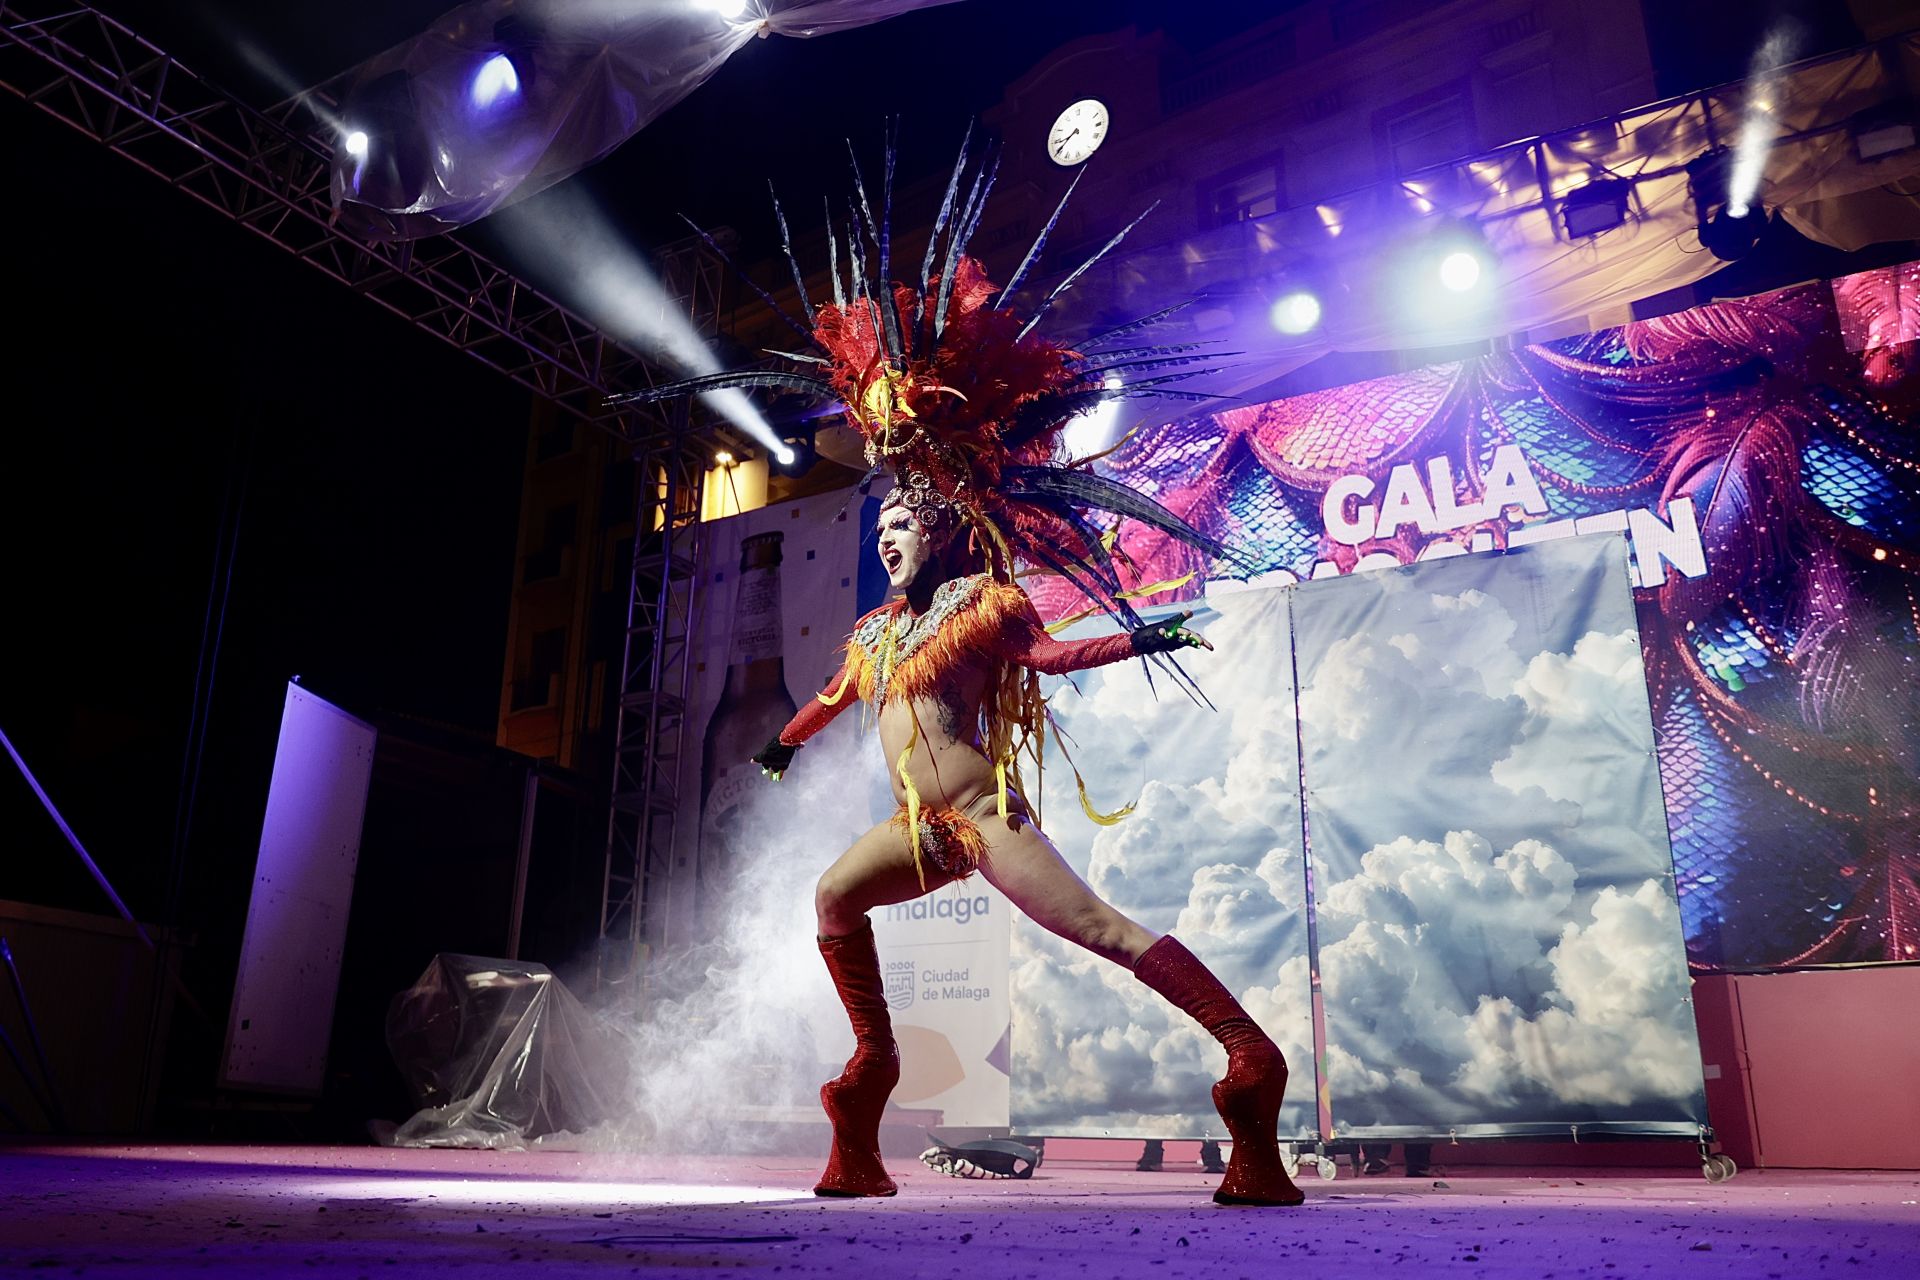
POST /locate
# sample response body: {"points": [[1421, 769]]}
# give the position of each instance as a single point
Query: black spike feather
{"points": [[933, 238], [860, 186], [1091, 490], [962, 233], [786, 247], [1159, 349], [871, 296], [721, 381], [889, 312], [1033, 255], [951, 261], [1144, 363], [833, 260], [1134, 326], [765, 297], [1079, 271]]}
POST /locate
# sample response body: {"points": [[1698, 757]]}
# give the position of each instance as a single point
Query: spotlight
{"points": [[496, 79], [392, 164], [1460, 270], [1297, 312], [725, 8], [1600, 205], [1091, 430], [1728, 229], [795, 453], [723, 459], [507, 73]]}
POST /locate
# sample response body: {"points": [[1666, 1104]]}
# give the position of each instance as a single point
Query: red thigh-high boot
{"points": [[855, 1100], [1249, 1098]]}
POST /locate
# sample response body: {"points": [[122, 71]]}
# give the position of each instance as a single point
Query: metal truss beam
{"points": [[269, 172], [651, 740]]}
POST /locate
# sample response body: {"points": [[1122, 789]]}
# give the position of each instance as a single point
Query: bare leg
{"points": [[878, 869], [875, 872], [1023, 864]]}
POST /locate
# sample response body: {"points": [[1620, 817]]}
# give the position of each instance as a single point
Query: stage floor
{"points": [[369, 1212]]}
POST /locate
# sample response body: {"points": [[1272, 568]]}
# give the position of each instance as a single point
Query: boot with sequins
{"points": [[1248, 1099], [855, 1099]]}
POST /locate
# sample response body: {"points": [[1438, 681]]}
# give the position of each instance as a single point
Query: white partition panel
{"points": [[290, 956]]}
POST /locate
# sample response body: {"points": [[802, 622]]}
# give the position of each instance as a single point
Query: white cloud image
{"points": [[1211, 855], [1498, 941]]}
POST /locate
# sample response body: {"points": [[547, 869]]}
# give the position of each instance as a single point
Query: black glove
{"points": [[775, 758], [1168, 635]]}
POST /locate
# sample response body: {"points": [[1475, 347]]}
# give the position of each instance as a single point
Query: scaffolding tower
{"points": [[650, 740]]}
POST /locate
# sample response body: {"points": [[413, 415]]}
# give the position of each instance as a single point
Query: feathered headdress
{"points": [[961, 401]]}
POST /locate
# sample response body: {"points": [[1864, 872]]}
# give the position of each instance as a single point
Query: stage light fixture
{"points": [[496, 79], [392, 164], [1296, 312], [723, 459], [1728, 229], [1460, 270], [356, 143], [796, 452], [1600, 205], [1883, 130]]}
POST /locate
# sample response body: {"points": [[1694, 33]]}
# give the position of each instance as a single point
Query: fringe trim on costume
{"points": [[846, 682], [913, 802], [958, 843], [1086, 804]]}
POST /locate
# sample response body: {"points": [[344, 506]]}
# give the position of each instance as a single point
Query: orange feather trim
{"points": [[950, 839]]}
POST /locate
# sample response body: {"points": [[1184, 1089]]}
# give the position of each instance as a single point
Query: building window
{"points": [[1358, 19], [546, 657], [550, 559], [1241, 194], [1426, 131], [555, 439]]}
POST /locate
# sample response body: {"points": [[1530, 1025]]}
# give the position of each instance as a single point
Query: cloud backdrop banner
{"points": [[1498, 935]]}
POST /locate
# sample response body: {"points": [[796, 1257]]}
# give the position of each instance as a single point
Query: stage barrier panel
{"points": [[1498, 934]]}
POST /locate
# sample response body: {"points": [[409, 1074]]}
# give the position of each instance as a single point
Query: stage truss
{"points": [[268, 171]]}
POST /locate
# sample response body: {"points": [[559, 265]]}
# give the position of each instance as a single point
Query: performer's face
{"points": [[905, 548]]}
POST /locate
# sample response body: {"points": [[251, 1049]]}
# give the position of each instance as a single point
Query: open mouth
{"points": [[891, 558]]}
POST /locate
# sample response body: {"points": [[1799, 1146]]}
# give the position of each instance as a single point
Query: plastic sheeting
{"points": [[498, 1053], [500, 99]]}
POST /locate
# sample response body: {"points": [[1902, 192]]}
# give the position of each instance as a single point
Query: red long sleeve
{"points": [[816, 715], [1023, 640]]}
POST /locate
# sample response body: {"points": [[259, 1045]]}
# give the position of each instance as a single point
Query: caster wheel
{"points": [[1329, 1169], [1291, 1163], [1719, 1168]]}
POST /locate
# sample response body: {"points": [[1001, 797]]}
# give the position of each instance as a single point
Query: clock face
{"points": [[1080, 128]]}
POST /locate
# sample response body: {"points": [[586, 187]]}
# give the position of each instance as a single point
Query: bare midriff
{"points": [[949, 765]]}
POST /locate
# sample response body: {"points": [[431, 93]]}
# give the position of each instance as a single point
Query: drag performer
{"points": [[965, 407]]}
